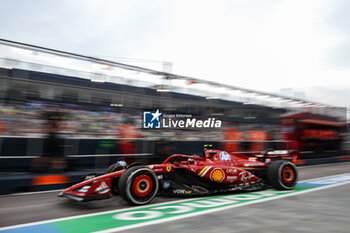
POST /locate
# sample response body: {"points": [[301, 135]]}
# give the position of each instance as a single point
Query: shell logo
{"points": [[217, 175]]}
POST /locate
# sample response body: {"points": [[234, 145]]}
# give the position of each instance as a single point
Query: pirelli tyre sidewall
{"points": [[138, 185], [282, 175]]}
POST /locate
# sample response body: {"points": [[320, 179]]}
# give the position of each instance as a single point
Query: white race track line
{"points": [[214, 210], [181, 216]]}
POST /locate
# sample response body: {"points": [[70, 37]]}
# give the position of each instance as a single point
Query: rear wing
{"points": [[270, 154]]}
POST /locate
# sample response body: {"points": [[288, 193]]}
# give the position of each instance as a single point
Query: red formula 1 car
{"points": [[213, 172]]}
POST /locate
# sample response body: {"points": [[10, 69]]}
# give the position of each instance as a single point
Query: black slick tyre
{"points": [[282, 175], [138, 185]]}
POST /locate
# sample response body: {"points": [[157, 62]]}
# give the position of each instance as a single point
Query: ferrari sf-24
{"points": [[215, 171]]}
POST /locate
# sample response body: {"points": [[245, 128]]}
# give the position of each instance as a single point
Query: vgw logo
{"points": [[151, 120]]}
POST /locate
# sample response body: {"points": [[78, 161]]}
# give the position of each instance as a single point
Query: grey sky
{"points": [[263, 45]]}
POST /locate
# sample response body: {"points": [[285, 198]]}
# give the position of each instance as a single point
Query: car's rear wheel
{"points": [[138, 185], [282, 175]]}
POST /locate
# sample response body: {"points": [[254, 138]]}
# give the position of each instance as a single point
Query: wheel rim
{"points": [[142, 186], [288, 175]]}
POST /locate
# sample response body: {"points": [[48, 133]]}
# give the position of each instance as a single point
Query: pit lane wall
{"points": [[17, 154]]}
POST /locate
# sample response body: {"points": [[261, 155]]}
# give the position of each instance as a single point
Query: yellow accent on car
{"points": [[201, 172]]}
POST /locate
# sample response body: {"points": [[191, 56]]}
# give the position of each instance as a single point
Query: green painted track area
{"points": [[129, 218]]}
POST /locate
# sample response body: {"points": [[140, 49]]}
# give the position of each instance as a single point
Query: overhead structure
{"points": [[31, 57]]}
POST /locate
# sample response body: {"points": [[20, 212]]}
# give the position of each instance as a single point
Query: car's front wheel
{"points": [[282, 175], [138, 185]]}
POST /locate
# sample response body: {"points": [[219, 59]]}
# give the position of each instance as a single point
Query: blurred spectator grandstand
{"points": [[27, 119]]}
